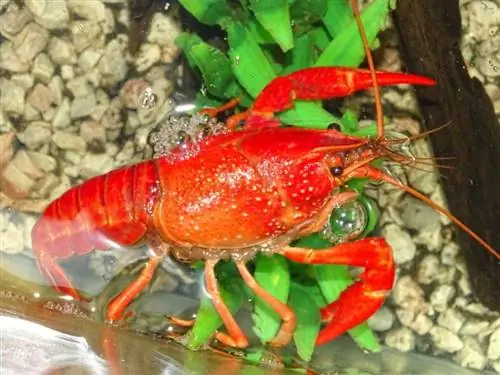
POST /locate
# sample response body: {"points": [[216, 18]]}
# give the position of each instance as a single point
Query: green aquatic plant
{"points": [[266, 39]]}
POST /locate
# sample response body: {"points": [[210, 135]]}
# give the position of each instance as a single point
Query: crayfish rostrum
{"points": [[239, 192]]}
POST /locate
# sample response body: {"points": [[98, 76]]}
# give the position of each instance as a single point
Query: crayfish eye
{"points": [[337, 171], [334, 126]]}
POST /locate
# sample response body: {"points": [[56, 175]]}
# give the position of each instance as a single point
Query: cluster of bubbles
{"points": [[182, 129]]}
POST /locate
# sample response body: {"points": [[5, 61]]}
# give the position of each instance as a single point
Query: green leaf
{"points": [[308, 320], [274, 16], [320, 38], [248, 61], [306, 13], [214, 66], [302, 55], [208, 319], [260, 34], [209, 12], [272, 274], [308, 114], [347, 47], [337, 17]]}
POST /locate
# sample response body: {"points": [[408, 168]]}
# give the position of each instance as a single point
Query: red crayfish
{"points": [[236, 193]]}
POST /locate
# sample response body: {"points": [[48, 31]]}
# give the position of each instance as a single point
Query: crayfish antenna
{"points": [[377, 174], [445, 212], [371, 65]]}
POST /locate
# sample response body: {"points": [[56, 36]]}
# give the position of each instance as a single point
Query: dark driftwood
{"points": [[430, 32]]}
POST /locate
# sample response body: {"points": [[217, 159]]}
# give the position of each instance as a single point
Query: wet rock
{"points": [[56, 87], [62, 117], [92, 131], [169, 54], [10, 61], [494, 345], [12, 236], [419, 323], [25, 81], [447, 275], [402, 339], [22, 161], [428, 269], [382, 320], [424, 182], [93, 165], [67, 72], [405, 316], [11, 97], [15, 183], [89, 59], [109, 24], [401, 243], [441, 297], [14, 20], [79, 86], [46, 184], [87, 34], [126, 154], [40, 97], [431, 238], [36, 134], [418, 215], [5, 123], [6, 148], [88, 9], [481, 16], [31, 113], [489, 66], [30, 42], [473, 327], [449, 254], [451, 319], [61, 52], [83, 106], [43, 69], [445, 340], [112, 65], [148, 55], [408, 294], [163, 31], [112, 119], [51, 14], [43, 161], [69, 141], [471, 355]]}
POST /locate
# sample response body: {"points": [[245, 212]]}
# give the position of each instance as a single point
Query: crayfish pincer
{"points": [[235, 193]]}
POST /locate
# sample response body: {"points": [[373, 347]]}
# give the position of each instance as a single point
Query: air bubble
{"points": [[148, 99], [179, 129], [346, 222]]}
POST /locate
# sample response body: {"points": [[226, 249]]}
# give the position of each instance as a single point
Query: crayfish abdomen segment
{"points": [[102, 212]]}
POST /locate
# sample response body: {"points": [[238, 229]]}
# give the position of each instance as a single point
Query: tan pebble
{"points": [[15, 183], [40, 97], [22, 160], [6, 148]]}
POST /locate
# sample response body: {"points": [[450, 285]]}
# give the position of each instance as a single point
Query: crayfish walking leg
{"points": [[116, 307], [363, 298]]}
